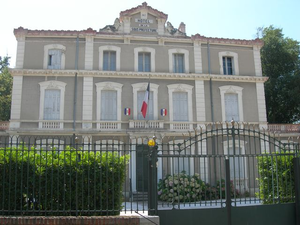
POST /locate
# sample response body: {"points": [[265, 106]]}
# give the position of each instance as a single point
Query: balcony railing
{"points": [[4, 125], [109, 125], [140, 124], [284, 128]]}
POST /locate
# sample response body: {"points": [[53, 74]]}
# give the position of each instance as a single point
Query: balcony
{"points": [[142, 124], [284, 128]]}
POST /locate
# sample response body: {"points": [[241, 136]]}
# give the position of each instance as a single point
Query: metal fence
{"points": [[210, 168]]}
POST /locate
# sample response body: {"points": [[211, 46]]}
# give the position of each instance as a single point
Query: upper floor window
{"points": [[232, 103], [109, 58], [54, 57], [138, 97], [144, 62], [228, 63], [108, 106], [178, 61], [144, 59], [52, 103]]}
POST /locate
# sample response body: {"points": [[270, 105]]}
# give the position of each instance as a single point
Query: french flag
{"points": [[145, 102], [127, 111], [163, 112]]}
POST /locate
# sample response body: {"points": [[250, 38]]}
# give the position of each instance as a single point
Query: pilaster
{"points": [[89, 47], [87, 105], [257, 60], [16, 102], [198, 57]]}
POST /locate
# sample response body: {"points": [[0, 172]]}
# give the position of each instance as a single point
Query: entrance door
{"points": [[142, 168]]}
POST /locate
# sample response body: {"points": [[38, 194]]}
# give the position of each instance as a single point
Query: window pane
{"points": [[109, 61], [180, 106], [227, 65], [144, 61], [54, 59], [109, 105], [231, 107], [140, 99], [147, 62], [52, 105], [141, 65], [178, 63]]}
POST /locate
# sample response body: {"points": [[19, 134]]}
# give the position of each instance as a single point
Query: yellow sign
{"points": [[151, 143]]}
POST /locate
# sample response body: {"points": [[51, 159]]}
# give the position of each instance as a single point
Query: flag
{"points": [[163, 112], [127, 111], [145, 102]]}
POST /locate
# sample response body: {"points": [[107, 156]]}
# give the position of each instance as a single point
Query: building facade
{"points": [[92, 83]]}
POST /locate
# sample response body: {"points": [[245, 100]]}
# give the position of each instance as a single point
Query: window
{"points": [[109, 60], [54, 57], [138, 97], [178, 61], [109, 105], [231, 107], [52, 104], [180, 103], [227, 66], [232, 103], [228, 63], [144, 59], [149, 114], [144, 62], [180, 106]]}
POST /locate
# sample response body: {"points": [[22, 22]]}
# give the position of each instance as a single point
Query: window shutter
{"points": [[52, 105], [105, 60], [54, 59], [180, 106], [141, 68], [147, 62], [109, 105], [231, 107], [112, 61], [140, 99]]}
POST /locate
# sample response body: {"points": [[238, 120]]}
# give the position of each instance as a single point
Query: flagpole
{"points": [[148, 96]]}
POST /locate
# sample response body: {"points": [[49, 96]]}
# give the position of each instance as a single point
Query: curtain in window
{"points": [[52, 105], [109, 105], [144, 62], [178, 63], [54, 59], [180, 106], [140, 98], [109, 60], [231, 107]]}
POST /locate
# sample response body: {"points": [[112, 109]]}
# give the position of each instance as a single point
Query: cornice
{"points": [[138, 75]]}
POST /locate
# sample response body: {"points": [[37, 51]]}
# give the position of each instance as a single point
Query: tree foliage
{"points": [[5, 89], [281, 63]]}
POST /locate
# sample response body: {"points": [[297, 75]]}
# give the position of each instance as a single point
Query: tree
{"points": [[5, 89], [281, 63]]}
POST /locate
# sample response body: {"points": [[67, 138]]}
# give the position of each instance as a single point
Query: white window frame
{"points": [[147, 50], [180, 88], [240, 144], [110, 48], [46, 53], [142, 87], [56, 85], [186, 59], [235, 61], [110, 86], [230, 89]]}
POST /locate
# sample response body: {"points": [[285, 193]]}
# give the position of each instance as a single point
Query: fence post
{"points": [[228, 194], [297, 188], [152, 196]]}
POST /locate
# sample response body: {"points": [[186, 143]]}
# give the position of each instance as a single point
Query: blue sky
{"points": [[237, 19]]}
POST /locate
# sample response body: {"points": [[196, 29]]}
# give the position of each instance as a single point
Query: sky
{"points": [[236, 19]]}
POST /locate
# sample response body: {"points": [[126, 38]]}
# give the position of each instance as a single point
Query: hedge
{"points": [[276, 178], [68, 182]]}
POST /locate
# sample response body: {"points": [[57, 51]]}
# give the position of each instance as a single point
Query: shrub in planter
{"points": [[61, 183]]}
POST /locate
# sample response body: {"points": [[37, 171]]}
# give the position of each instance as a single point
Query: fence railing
{"points": [[73, 176]]}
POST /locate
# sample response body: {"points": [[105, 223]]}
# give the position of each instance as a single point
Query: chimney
{"points": [[182, 27]]}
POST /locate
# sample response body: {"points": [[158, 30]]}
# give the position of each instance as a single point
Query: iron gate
{"points": [[227, 174]]}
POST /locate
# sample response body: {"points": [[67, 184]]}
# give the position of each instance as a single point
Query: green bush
{"points": [[61, 183], [185, 188], [276, 178]]}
